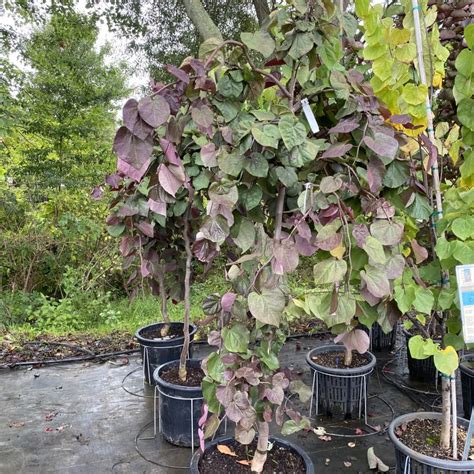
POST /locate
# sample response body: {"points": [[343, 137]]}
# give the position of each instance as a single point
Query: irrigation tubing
{"points": [[137, 439], [68, 360], [110, 355]]}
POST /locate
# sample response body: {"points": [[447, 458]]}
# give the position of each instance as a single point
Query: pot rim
{"points": [[194, 464], [143, 340], [432, 462], [356, 371], [175, 387]]}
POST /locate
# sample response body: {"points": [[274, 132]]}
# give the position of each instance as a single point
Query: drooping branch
{"points": [[201, 20]]}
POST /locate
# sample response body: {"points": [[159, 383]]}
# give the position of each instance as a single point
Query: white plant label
{"points": [[465, 280], [310, 116]]}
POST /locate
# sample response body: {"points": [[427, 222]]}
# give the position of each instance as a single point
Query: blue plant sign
{"points": [[465, 280]]}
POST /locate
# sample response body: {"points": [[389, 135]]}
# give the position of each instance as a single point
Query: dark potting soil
{"points": [[280, 460], [335, 360], [194, 376], [155, 334], [423, 437]]}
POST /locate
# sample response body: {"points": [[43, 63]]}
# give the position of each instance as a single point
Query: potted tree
{"points": [[422, 440], [166, 155]]}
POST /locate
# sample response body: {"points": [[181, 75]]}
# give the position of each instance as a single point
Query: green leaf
{"points": [[215, 367], [302, 44], [397, 174], [329, 271], [231, 163], [466, 113], [236, 338], [228, 109], [453, 340], [256, 165], [424, 300], [267, 136], [463, 252], [446, 360], [387, 232], [465, 62], [469, 35], [446, 298], [376, 281], [374, 250], [286, 175], [246, 237], [416, 346], [251, 197], [229, 88], [116, 230], [209, 389], [267, 356], [414, 95], [406, 53], [463, 227], [292, 131], [260, 41], [420, 208], [291, 427], [404, 298], [267, 307]]}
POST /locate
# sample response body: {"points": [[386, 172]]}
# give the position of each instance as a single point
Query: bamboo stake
{"points": [[416, 9]]}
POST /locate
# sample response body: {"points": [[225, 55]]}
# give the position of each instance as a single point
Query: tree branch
{"points": [[201, 20]]}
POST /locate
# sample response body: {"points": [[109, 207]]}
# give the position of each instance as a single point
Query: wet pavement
{"points": [[77, 418]]}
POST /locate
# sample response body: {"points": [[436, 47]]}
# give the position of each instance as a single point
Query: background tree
{"points": [[65, 112]]}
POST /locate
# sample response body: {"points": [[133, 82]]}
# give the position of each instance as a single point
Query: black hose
{"points": [[68, 360]]}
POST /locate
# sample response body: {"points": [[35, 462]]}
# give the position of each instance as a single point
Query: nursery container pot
{"points": [[379, 341], [411, 462], [467, 384], [179, 407], [157, 352], [420, 370], [339, 389], [279, 442]]}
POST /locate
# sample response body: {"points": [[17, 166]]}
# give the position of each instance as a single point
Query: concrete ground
{"points": [[77, 418]]}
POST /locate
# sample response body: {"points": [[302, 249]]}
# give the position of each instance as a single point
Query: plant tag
{"points": [[465, 280], [310, 116]]}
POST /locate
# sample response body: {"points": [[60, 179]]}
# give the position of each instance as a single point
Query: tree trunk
{"points": [[260, 455], [446, 411], [347, 357], [164, 301], [187, 296], [201, 20], [262, 10]]}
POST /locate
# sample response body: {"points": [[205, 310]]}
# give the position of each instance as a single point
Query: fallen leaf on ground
{"points": [[325, 438], [245, 462], [359, 431], [327, 461], [222, 448], [16, 424], [375, 462], [319, 431], [351, 444], [347, 463], [48, 429], [50, 416]]}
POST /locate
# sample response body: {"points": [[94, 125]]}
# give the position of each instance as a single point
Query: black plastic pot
{"points": [[411, 462], [195, 460], [420, 370], [339, 390], [383, 342], [157, 352], [179, 407], [467, 384]]}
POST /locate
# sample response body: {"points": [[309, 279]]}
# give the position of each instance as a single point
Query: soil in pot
{"points": [[194, 376], [280, 459], [335, 360], [422, 436], [155, 334]]}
